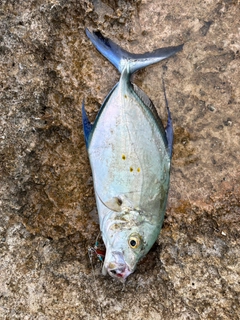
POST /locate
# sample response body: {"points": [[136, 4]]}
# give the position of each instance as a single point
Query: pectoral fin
{"points": [[117, 204]]}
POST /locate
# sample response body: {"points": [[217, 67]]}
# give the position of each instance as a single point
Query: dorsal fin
{"points": [[149, 104]]}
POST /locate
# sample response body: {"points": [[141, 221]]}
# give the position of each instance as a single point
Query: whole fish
{"points": [[130, 155]]}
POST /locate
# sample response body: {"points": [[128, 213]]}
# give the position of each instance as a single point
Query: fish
{"points": [[130, 156]]}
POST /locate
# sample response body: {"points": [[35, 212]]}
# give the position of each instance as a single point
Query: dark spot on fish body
{"points": [[131, 168], [125, 96], [119, 201]]}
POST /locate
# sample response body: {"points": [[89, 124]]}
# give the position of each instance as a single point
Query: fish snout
{"points": [[118, 271], [117, 267]]}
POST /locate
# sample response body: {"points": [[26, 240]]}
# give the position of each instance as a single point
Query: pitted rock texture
{"points": [[48, 211]]}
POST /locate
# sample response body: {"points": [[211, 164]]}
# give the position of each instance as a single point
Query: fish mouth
{"points": [[119, 272], [117, 268]]}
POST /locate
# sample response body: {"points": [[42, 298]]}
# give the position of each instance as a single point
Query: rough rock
{"points": [[48, 211]]}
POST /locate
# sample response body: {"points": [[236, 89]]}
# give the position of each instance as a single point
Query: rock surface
{"points": [[48, 213]]}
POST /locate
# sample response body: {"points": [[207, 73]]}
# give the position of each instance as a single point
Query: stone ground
{"points": [[48, 213]]}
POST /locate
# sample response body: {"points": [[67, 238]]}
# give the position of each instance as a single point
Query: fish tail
{"points": [[120, 57]]}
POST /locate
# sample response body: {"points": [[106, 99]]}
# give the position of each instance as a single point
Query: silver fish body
{"points": [[130, 155]]}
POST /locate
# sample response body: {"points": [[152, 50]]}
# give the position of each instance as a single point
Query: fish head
{"points": [[129, 237]]}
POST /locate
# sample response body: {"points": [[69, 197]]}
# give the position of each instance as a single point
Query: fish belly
{"points": [[128, 156]]}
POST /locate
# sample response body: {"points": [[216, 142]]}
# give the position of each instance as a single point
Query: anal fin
{"points": [[87, 126], [169, 127]]}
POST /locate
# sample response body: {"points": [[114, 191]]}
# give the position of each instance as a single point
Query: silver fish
{"points": [[130, 155]]}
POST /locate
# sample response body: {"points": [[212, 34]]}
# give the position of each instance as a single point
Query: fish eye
{"points": [[134, 241]]}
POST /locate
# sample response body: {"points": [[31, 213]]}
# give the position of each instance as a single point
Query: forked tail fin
{"points": [[119, 57]]}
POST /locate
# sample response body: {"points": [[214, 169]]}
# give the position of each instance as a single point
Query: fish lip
{"points": [[116, 266], [119, 271]]}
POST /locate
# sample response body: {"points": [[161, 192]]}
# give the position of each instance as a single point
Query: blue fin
{"points": [[169, 127], [87, 126], [119, 57]]}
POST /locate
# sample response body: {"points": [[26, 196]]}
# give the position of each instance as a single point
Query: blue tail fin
{"points": [[119, 57]]}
